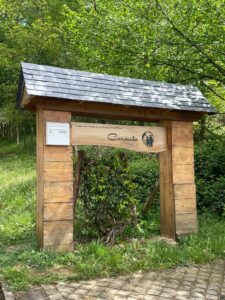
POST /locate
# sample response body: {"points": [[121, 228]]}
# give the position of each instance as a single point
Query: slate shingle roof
{"points": [[69, 84]]}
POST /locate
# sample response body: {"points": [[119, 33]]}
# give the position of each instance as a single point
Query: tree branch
{"points": [[189, 41]]}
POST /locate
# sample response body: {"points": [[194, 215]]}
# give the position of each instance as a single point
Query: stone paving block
{"points": [[74, 284], [153, 292], [149, 297], [74, 297], [185, 288], [168, 295], [197, 295], [137, 296], [51, 291], [140, 290], [183, 293], [198, 290], [9, 295], [56, 297], [212, 297], [80, 292], [93, 293], [67, 289]]}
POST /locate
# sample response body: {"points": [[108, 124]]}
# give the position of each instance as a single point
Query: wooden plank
{"points": [[58, 165], [183, 174], [58, 188], [184, 206], [58, 175], [56, 116], [184, 191], [184, 156], [55, 153], [54, 187], [113, 111], [58, 171], [58, 198], [182, 124], [58, 233], [138, 138], [58, 211], [187, 220], [183, 136], [186, 223], [167, 204], [40, 176]]}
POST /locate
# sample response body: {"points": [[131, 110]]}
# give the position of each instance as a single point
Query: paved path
{"points": [[194, 282]]}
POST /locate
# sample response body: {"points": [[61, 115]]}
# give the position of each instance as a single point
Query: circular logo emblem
{"points": [[148, 139]]}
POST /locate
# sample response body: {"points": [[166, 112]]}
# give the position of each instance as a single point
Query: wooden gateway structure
{"points": [[55, 94]]}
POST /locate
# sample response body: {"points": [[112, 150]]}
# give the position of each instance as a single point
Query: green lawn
{"points": [[22, 264]]}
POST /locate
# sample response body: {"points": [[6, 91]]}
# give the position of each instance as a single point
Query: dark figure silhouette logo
{"points": [[148, 139]]}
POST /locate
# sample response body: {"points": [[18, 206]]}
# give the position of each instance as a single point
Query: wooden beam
{"points": [[167, 203], [177, 181], [54, 187], [138, 138], [112, 111]]}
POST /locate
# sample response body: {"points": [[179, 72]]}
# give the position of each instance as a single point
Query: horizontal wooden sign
{"points": [[137, 138]]}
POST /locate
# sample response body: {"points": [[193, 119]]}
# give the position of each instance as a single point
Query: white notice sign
{"points": [[57, 134]]}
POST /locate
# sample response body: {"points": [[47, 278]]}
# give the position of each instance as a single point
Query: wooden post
{"points": [[54, 187], [177, 182]]}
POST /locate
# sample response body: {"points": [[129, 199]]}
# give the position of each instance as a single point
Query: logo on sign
{"points": [[148, 139]]}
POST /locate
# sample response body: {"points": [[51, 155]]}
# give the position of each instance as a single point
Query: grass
{"points": [[22, 264]]}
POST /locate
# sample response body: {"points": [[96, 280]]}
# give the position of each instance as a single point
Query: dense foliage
{"points": [[174, 41], [106, 192], [210, 171]]}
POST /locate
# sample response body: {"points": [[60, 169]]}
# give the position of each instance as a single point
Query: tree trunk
{"points": [[17, 135]]}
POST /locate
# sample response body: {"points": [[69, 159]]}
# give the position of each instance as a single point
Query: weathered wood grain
{"points": [[58, 198], [40, 175], [183, 206], [178, 163], [186, 223], [58, 233], [56, 154], [167, 204], [58, 211], [185, 191], [58, 188], [183, 174], [54, 187], [183, 156], [123, 136], [58, 171], [182, 136]]}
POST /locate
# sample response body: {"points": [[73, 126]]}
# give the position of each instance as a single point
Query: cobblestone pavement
{"points": [[193, 282]]}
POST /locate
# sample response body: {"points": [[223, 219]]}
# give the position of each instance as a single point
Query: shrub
{"points": [[144, 173], [210, 174], [106, 192]]}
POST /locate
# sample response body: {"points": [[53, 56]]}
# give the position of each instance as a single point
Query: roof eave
{"points": [[23, 97]]}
